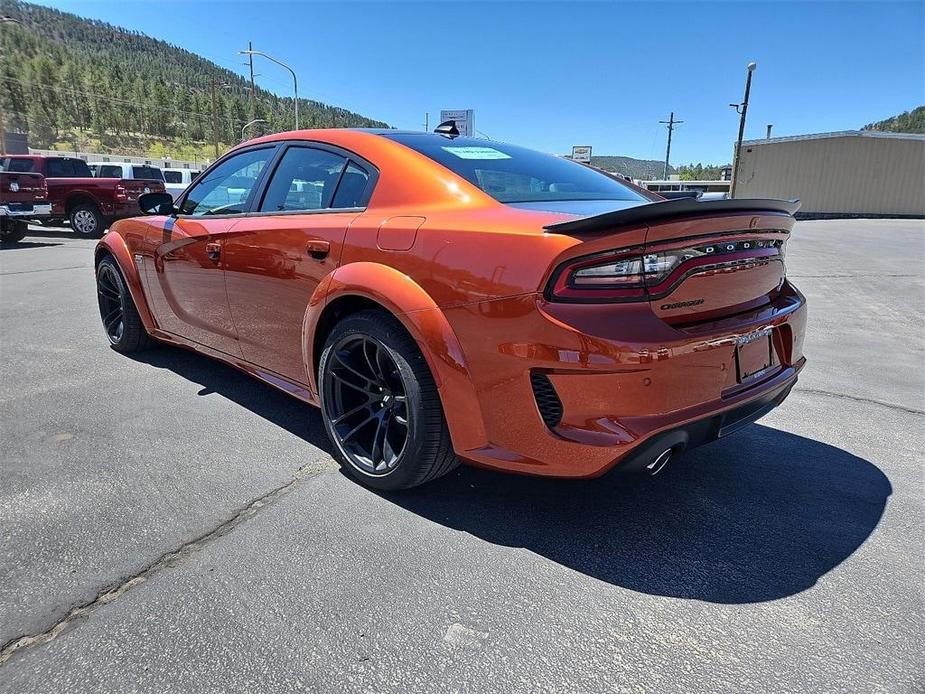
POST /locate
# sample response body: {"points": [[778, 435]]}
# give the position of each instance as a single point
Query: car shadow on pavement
{"points": [[759, 516], [26, 244], [282, 410]]}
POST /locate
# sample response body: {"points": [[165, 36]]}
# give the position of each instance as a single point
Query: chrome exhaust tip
{"points": [[660, 462]]}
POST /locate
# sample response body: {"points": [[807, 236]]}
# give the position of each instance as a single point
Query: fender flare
{"points": [[424, 321], [115, 245]]}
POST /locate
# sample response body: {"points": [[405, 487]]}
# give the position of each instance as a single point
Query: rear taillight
{"points": [[120, 192], [633, 275]]}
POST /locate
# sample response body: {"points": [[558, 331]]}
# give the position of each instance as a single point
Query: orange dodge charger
{"points": [[444, 298]]}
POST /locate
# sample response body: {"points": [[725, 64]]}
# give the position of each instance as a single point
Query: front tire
{"points": [[12, 231], [120, 318], [380, 404], [87, 220]]}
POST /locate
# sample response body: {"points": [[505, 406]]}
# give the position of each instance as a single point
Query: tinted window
{"points": [[151, 173], [304, 180], [351, 192], [109, 171], [516, 174], [20, 165], [173, 176], [67, 168], [225, 188]]}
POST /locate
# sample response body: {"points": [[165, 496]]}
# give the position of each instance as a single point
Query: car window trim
{"points": [[372, 173], [248, 204]]}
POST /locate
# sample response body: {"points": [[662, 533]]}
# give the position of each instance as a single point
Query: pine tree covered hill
{"points": [[909, 122], [75, 83]]}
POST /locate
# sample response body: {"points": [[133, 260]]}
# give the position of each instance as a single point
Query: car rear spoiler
{"points": [[672, 209]]}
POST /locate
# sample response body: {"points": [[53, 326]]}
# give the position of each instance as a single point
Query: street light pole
{"points": [[295, 80], [249, 124], [742, 110]]}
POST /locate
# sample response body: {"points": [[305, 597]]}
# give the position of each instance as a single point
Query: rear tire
{"points": [[380, 404], [121, 321], [12, 231], [87, 220]]}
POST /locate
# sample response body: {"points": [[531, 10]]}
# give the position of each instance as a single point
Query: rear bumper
{"points": [[627, 382], [35, 210]]}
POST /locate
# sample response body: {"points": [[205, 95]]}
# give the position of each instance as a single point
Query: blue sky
{"points": [[550, 75]]}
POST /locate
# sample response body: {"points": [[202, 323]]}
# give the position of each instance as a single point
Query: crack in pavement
{"points": [[858, 398], [46, 269], [113, 592]]}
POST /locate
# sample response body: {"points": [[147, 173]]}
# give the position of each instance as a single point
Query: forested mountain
{"points": [[909, 122], [84, 84], [644, 169]]}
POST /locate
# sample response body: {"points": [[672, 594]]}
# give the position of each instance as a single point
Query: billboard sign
{"points": [[465, 123], [582, 153]]}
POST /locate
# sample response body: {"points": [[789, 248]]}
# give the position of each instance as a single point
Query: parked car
{"points": [[89, 204], [23, 197], [178, 180], [136, 172], [446, 298]]}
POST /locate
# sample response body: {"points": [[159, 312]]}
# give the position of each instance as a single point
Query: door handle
{"points": [[319, 249], [213, 250]]}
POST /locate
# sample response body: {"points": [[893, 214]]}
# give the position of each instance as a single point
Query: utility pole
{"points": [[213, 83], [250, 60], [741, 109], [426, 121], [768, 136], [671, 122]]}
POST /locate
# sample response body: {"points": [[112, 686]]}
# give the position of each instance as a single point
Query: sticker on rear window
{"points": [[476, 152]]}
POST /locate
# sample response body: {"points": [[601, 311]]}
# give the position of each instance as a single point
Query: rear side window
{"points": [[225, 188], [67, 168], [173, 177], [305, 179], [18, 165], [148, 173], [352, 189]]}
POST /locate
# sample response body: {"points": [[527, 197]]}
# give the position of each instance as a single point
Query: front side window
{"points": [[305, 179], [226, 188], [514, 174]]}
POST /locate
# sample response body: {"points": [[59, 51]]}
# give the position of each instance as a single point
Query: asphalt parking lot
{"points": [[169, 525]]}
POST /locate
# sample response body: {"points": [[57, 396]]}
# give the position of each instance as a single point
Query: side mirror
{"points": [[156, 203]]}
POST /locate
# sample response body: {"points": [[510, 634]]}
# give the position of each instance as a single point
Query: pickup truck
{"points": [[23, 196], [178, 180], [89, 204]]}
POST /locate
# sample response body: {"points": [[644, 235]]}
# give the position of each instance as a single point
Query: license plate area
{"points": [[754, 355]]}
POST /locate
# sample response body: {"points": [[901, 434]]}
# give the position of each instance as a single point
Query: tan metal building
{"points": [[855, 172]]}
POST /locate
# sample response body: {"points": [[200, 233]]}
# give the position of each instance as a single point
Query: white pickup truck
{"points": [[178, 180], [133, 172]]}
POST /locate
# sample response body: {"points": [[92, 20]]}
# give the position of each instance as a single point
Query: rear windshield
{"points": [[151, 173], [513, 174], [67, 168]]}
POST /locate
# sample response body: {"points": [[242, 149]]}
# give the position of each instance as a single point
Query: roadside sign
{"points": [[465, 122], [582, 153]]}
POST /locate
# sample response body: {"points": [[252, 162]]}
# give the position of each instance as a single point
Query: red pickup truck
{"points": [[90, 204], [23, 197]]}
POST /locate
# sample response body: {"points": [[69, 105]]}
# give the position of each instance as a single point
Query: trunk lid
{"points": [[690, 260]]}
